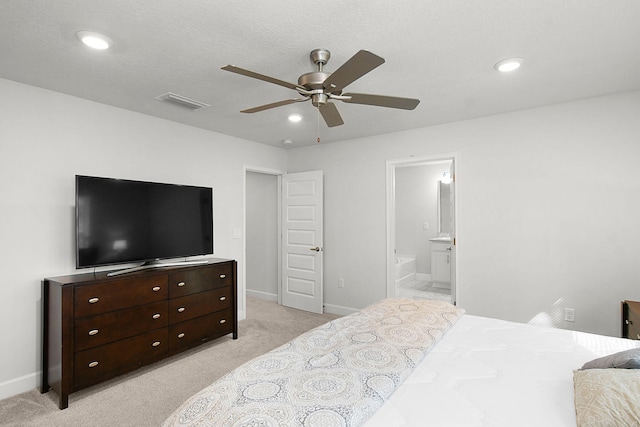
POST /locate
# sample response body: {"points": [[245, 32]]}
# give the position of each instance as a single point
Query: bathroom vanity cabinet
{"points": [[441, 262]]}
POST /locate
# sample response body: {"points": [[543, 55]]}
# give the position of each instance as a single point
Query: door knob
{"points": [[317, 249]]}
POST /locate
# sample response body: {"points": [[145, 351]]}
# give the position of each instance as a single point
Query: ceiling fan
{"points": [[321, 87]]}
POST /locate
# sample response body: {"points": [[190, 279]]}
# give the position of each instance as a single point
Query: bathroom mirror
{"points": [[444, 208]]}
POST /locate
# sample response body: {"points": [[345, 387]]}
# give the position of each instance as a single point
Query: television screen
{"points": [[122, 221]]}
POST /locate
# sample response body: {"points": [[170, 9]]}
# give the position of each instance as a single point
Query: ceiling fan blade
{"points": [[357, 66], [382, 101], [273, 105], [331, 115], [258, 76]]}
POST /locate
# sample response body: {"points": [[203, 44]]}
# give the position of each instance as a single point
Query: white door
{"points": [[302, 241], [452, 222]]}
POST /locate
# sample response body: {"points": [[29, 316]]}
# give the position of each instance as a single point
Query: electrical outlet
{"points": [[570, 314], [341, 283], [425, 225]]}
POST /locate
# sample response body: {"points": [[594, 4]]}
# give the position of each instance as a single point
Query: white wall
{"points": [[45, 139], [262, 235], [549, 210]]}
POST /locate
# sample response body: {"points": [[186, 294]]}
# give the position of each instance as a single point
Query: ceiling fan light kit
{"points": [[322, 87]]}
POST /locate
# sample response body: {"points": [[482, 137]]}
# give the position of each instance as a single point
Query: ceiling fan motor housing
{"points": [[313, 82]]}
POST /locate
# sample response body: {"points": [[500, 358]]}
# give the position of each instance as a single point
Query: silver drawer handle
{"points": [[181, 284], [181, 335], [222, 276], [155, 288], [156, 343], [93, 332], [223, 298], [156, 316], [93, 364], [181, 309], [93, 300], [223, 321]]}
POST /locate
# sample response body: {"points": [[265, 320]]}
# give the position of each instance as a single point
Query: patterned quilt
{"points": [[337, 374]]}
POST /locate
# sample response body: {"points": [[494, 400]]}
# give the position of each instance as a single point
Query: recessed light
{"points": [[287, 141], [94, 40], [295, 118], [507, 65]]}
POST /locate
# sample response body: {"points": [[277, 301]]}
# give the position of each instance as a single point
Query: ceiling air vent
{"points": [[181, 101]]}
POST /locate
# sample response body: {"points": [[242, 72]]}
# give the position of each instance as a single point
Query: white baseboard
{"points": [[339, 310], [328, 308], [19, 385], [262, 295]]}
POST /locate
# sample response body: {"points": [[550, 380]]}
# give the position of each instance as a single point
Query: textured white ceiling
{"points": [[440, 51]]}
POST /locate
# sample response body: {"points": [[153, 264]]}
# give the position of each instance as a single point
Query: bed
{"points": [[403, 362]]}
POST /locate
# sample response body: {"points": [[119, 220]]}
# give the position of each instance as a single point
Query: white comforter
{"points": [[488, 372]]}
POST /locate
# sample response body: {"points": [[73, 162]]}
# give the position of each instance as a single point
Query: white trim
{"points": [[339, 310], [242, 287], [262, 295], [16, 386], [391, 166]]}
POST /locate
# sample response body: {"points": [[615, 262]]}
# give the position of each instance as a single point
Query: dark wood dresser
{"points": [[96, 327], [631, 320]]}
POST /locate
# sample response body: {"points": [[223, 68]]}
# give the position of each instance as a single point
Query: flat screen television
{"points": [[122, 221]]}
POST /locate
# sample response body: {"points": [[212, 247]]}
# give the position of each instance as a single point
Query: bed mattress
{"points": [[489, 372]]}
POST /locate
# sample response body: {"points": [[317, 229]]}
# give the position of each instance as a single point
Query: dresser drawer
{"points": [[105, 328], [99, 298], [195, 331], [99, 363], [188, 282], [196, 305]]}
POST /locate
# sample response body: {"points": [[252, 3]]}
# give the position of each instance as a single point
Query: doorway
{"points": [[283, 238], [262, 235], [421, 235], [260, 265]]}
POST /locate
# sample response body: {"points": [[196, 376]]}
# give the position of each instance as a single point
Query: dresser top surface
{"points": [[102, 275]]}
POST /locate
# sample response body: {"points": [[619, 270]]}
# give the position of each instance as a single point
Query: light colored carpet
{"points": [[146, 397]]}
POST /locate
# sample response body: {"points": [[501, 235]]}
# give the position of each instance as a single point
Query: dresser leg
{"points": [[64, 401]]}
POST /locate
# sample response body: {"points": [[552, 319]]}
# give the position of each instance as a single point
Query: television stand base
{"points": [[149, 265]]}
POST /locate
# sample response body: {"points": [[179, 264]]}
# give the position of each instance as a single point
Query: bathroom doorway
{"points": [[421, 228]]}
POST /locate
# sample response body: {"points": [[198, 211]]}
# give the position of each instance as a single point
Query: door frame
{"points": [[242, 291], [391, 166]]}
